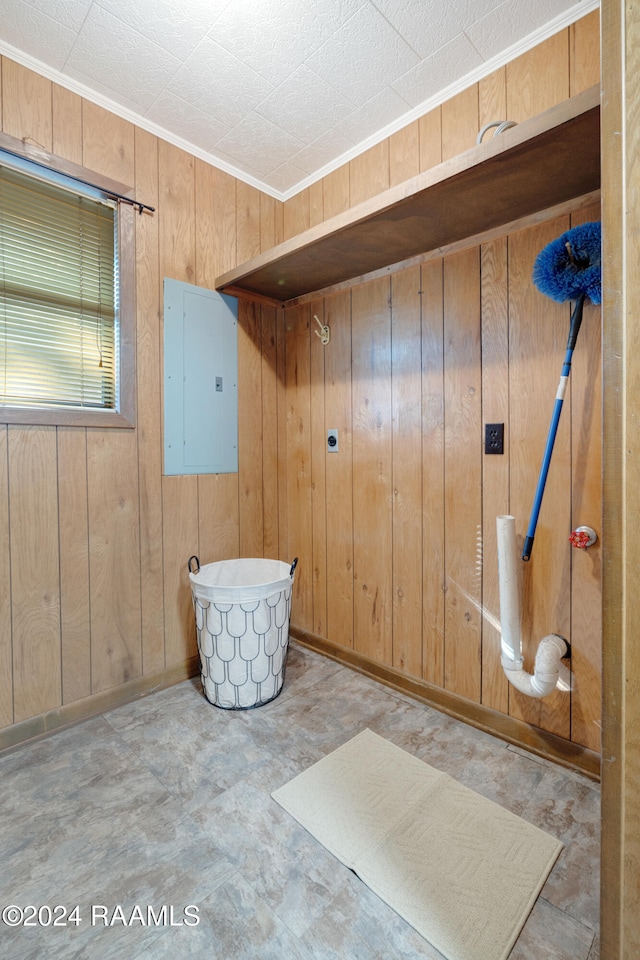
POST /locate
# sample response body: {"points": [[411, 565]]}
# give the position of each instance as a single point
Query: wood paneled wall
{"points": [[94, 540], [395, 533]]}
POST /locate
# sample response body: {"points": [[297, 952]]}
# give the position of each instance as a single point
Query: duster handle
{"points": [[574, 329]]}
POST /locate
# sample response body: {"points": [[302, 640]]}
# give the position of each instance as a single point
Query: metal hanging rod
{"points": [[35, 154], [134, 203]]}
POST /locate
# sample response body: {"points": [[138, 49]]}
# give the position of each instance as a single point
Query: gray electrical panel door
{"points": [[200, 380]]}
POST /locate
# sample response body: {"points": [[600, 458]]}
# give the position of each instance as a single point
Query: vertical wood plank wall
{"points": [[94, 540], [395, 532], [418, 362]]}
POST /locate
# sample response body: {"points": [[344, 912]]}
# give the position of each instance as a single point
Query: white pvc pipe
{"points": [[551, 649], [512, 658]]}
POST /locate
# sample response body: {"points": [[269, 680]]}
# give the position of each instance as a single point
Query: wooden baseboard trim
{"points": [[537, 741], [546, 745], [71, 713]]}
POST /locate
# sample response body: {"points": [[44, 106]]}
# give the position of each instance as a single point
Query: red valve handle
{"points": [[579, 539]]}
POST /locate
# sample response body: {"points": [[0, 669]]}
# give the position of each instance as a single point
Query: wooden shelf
{"points": [[538, 164]]}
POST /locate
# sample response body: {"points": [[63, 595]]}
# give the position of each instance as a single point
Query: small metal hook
{"points": [[501, 126], [324, 332], [504, 126]]}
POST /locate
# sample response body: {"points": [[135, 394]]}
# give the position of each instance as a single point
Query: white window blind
{"points": [[58, 296]]}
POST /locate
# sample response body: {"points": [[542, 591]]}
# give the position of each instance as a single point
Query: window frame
{"points": [[124, 415]]}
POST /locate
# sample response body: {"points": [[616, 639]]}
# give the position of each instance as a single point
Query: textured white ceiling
{"points": [[275, 91]]}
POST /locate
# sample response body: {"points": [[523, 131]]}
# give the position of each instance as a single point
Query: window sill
{"points": [[65, 418]]}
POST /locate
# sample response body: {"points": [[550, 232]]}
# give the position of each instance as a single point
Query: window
{"points": [[65, 317]]}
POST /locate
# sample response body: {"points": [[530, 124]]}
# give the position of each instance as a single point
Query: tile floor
{"points": [[166, 801]]}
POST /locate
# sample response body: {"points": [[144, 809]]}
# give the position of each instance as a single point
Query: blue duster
{"points": [[569, 268], [570, 265]]}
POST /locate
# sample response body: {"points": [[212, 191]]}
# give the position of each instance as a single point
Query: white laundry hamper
{"points": [[242, 609]]}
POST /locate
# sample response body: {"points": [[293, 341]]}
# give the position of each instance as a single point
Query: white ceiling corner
{"points": [[275, 92]]}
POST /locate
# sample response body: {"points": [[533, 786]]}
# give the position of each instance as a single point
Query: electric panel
{"points": [[200, 380]]}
